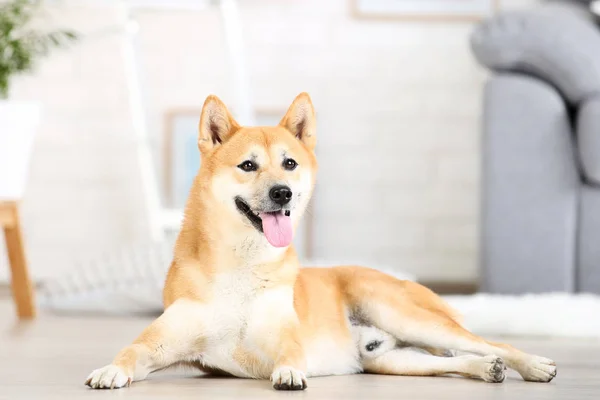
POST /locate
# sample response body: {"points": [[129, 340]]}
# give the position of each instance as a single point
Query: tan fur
{"points": [[234, 304]]}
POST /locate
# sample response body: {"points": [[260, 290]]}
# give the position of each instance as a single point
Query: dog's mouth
{"points": [[275, 225], [245, 209]]}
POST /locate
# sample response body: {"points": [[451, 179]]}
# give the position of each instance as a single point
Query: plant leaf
{"points": [[19, 48]]}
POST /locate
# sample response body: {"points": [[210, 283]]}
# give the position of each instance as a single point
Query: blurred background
{"points": [[458, 142], [402, 128]]}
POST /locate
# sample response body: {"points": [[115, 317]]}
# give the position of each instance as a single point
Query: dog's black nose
{"points": [[280, 194]]}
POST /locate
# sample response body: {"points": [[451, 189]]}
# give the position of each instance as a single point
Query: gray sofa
{"points": [[541, 150]]}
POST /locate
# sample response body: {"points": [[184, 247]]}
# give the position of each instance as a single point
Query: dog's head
{"points": [[260, 178]]}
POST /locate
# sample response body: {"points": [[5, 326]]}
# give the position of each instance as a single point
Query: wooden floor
{"points": [[51, 357]]}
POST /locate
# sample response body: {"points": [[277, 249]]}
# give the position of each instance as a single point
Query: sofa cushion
{"points": [[559, 44], [588, 134]]}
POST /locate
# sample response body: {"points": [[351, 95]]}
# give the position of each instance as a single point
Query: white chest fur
{"points": [[233, 295], [246, 316]]}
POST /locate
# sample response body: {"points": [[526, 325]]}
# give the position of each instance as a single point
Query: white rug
{"points": [[549, 315], [131, 283]]}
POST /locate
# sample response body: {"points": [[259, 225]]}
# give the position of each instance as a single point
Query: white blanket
{"points": [[132, 284], [547, 315]]}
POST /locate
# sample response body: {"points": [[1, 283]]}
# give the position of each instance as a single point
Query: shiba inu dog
{"points": [[237, 303]]}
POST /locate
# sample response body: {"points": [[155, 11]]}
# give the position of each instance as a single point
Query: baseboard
{"points": [[4, 290], [445, 288]]}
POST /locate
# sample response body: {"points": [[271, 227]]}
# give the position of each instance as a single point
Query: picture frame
{"points": [[181, 158], [424, 10], [181, 161]]}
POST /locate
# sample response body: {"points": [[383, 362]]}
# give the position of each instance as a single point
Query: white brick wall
{"points": [[398, 104]]}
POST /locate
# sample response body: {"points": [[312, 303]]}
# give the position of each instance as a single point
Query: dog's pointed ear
{"points": [[300, 120], [216, 124]]}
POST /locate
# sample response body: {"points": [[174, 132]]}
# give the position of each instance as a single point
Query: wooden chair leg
{"points": [[22, 288]]}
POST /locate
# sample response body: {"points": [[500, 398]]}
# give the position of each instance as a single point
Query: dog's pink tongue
{"points": [[277, 228]]}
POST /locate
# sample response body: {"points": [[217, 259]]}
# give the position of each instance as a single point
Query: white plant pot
{"points": [[19, 122]]}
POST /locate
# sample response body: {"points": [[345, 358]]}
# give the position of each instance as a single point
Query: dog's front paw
{"points": [[288, 378], [537, 369], [109, 377]]}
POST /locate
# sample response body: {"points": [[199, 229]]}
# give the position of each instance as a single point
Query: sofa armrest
{"points": [[558, 44], [588, 136], [530, 188]]}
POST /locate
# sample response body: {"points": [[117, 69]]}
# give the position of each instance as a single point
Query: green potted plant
{"points": [[20, 48]]}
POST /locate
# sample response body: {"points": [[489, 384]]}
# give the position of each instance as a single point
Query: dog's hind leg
{"points": [[416, 315], [172, 338], [440, 352], [415, 362]]}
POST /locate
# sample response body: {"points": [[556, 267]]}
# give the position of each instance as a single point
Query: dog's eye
{"points": [[248, 166], [290, 164]]}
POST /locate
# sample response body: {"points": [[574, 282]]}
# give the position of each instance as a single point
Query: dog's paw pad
{"points": [[109, 377], [538, 369], [288, 378], [493, 369]]}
